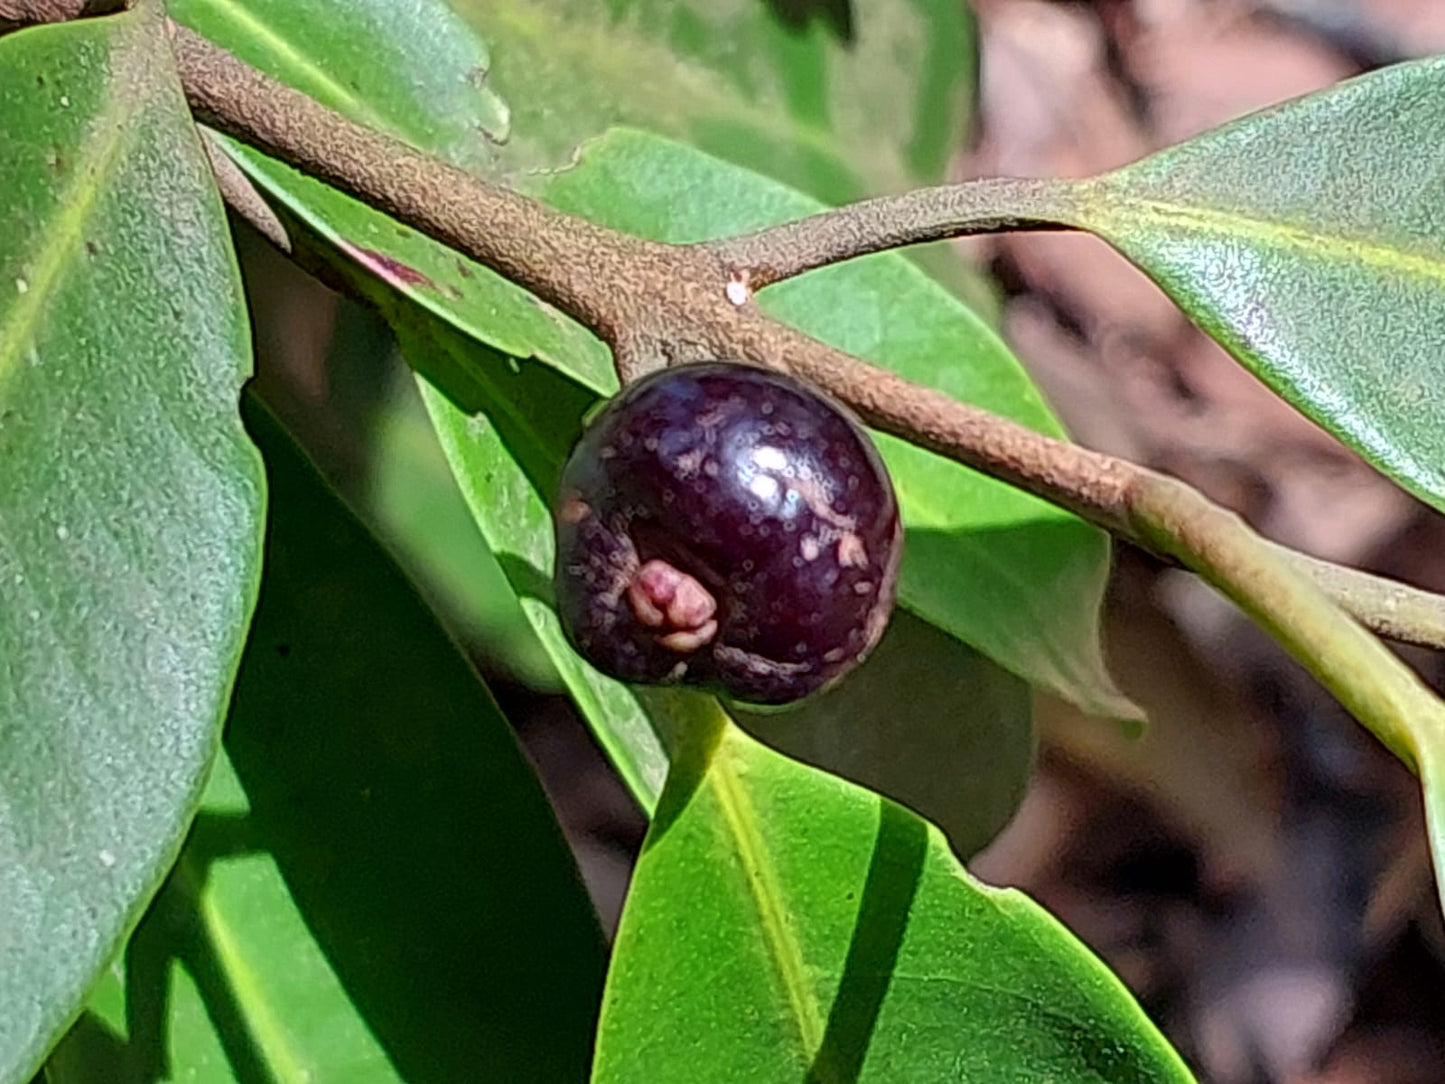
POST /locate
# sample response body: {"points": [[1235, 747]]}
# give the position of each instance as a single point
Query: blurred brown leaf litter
{"points": [[1254, 868]]}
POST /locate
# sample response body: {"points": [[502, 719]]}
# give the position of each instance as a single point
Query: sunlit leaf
{"points": [[832, 937], [1310, 241], [839, 99], [130, 500], [406, 67]]}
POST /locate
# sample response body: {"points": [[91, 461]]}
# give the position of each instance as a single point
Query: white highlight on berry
{"points": [[764, 487], [769, 458]]}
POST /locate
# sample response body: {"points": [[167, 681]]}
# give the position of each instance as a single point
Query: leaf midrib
{"points": [[110, 134], [783, 949], [1102, 216]]}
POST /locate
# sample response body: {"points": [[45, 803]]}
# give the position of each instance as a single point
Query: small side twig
{"points": [[240, 194], [1392, 609], [992, 205], [1275, 588]]}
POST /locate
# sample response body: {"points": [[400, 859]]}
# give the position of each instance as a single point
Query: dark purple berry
{"points": [[726, 526]]}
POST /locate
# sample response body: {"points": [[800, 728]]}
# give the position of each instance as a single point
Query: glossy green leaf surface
{"points": [[819, 99], [403, 66], [416, 508], [130, 500], [375, 889], [839, 99], [396, 81], [833, 937], [1310, 241]]}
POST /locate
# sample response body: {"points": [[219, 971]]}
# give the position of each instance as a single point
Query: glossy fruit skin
{"points": [[750, 485]]}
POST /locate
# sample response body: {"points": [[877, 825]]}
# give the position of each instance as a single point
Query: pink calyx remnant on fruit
{"points": [[681, 609]]}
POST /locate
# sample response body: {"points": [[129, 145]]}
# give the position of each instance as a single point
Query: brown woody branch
{"points": [[17, 13], [657, 304]]}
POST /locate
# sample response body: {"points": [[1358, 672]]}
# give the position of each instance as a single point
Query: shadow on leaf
{"points": [[426, 904], [894, 872]]}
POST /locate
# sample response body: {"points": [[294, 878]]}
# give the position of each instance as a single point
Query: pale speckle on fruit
{"points": [[685, 641], [573, 509], [851, 551]]}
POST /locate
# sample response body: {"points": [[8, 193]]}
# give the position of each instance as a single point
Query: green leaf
{"points": [[841, 100], [130, 500], [1012, 575], [506, 426], [374, 834], [896, 87], [840, 103], [957, 747], [833, 937], [1310, 241], [413, 503], [411, 68], [385, 69]]}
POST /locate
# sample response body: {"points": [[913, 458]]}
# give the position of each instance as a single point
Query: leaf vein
{"points": [[1282, 234], [112, 134], [762, 880]]}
